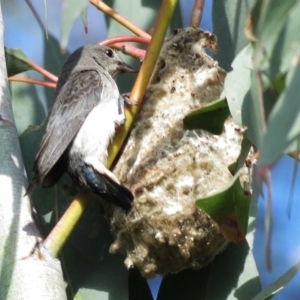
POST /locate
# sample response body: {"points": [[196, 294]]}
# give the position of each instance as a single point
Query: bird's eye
{"points": [[109, 53]]}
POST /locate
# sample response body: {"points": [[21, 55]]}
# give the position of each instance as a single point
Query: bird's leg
{"points": [[126, 100], [99, 167], [121, 119], [123, 100]]}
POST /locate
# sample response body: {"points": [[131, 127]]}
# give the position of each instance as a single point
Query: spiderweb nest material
{"points": [[167, 167]]}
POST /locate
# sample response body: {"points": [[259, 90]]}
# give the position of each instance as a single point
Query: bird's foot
{"points": [[127, 102]]}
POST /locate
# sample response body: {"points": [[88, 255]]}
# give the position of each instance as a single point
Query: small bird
{"points": [[88, 107]]}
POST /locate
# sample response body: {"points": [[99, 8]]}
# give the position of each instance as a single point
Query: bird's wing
{"points": [[75, 100]]}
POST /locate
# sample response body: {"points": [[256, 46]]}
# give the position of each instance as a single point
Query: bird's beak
{"points": [[125, 68]]}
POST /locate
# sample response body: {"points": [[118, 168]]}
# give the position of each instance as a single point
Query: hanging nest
{"points": [[167, 167]]}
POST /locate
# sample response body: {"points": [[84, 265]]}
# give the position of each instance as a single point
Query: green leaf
{"points": [[26, 104], [237, 83], [176, 21], [91, 271], [53, 62], [288, 43], [72, 10], [268, 17], [280, 83], [138, 286], [284, 120], [253, 111], [54, 58], [227, 207], [269, 20], [229, 19], [278, 284], [45, 201], [275, 25], [277, 34], [84, 18], [243, 102], [230, 207], [233, 272], [145, 18], [16, 62], [210, 118]]}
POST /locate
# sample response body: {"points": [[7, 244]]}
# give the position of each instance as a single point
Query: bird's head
{"points": [[108, 59]]}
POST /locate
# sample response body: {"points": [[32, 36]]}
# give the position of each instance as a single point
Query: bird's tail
{"points": [[105, 187]]}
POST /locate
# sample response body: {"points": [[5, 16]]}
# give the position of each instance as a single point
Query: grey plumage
{"points": [[87, 109]]}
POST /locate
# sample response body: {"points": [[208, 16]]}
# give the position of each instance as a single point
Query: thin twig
{"points": [[197, 13], [34, 81], [62, 230], [34, 12], [42, 71], [118, 43], [130, 50], [126, 38]]}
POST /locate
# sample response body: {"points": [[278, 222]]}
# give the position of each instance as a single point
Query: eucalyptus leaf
{"points": [[84, 18], [210, 118], [229, 18], [284, 241], [288, 42], [26, 104], [269, 20], [233, 272], [72, 10], [278, 284], [237, 83], [91, 271], [284, 120], [230, 207], [268, 17], [16, 62], [253, 111], [280, 83], [45, 201], [53, 62]]}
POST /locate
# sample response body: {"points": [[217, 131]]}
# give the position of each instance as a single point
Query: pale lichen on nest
{"points": [[167, 167]]}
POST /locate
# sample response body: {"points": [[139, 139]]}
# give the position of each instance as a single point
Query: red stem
{"points": [[125, 38], [197, 13], [34, 81], [130, 50], [42, 71]]}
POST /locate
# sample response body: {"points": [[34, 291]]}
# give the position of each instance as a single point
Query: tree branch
{"points": [[24, 275]]}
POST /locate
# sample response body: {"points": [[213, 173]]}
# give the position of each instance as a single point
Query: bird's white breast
{"points": [[94, 136]]}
